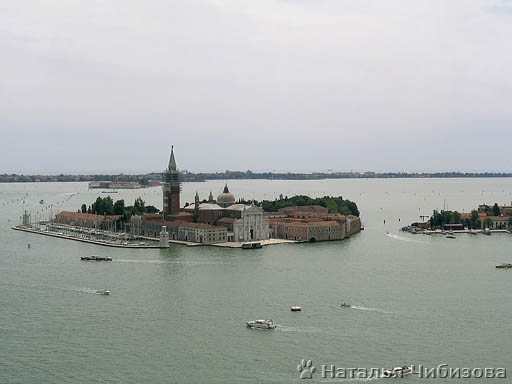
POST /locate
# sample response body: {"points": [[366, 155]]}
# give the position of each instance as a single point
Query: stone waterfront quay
{"points": [[98, 238]]}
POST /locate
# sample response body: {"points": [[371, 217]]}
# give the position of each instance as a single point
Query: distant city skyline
{"points": [[273, 85]]}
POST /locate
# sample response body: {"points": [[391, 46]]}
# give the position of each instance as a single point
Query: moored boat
{"points": [[261, 324], [505, 265], [96, 258], [252, 245]]}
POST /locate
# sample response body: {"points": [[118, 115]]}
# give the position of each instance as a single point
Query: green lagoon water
{"points": [[178, 315]]}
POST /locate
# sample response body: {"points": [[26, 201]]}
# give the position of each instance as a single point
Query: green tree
{"points": [[455, 219], [97, 206], [487, 223], [138, 206], [495, 210], [151, 209], [474, 221], [84, 208], [119, 208], [108, 206], [332, 206]]}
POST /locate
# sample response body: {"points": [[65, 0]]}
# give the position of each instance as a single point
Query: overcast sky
{"points": [[90, 86]]}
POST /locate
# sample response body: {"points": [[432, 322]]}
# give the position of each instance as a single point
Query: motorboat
{"points": [[345, 305], [473, 232], [41, 201], [487, 231], [96, 258], [450, 237], [252, 245], [103, 292], [397, 372], [296, 308], [505, 265], [261, 324]]}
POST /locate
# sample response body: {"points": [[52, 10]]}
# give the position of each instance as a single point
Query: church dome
{"points": [[226, 197]]}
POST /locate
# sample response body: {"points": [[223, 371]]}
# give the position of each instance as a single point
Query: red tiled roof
{"points": [[226, 220], [310, 224], [186, 224], [87, 216], [495, 218]]}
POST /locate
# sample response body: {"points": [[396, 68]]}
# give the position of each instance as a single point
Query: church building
{"points": [[216, 221], [243, 222]]}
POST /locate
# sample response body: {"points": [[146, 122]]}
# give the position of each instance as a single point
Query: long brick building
{"points": [[311, 223]]}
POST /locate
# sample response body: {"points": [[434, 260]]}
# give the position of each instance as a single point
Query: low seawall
{"points": [[97, 242]]}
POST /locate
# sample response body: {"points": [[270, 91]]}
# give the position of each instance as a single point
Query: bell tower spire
{"points": [[171, 186], [172, 160]]}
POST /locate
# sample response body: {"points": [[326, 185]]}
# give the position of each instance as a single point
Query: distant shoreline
{"points": [[248, 175]]}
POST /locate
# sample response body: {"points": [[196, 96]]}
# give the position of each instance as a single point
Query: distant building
{"points": [[496, 222], [242, 222], [87, 220], [453, 227], [311, 223], [115, 185], [217, 221], [179, 230]]}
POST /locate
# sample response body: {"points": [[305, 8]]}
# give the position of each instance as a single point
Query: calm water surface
{"points": [[178, 315]]}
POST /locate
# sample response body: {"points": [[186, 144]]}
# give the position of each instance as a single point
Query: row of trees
{"points": [[106, 206], [494, 210], [438, 219], [333, 204]]}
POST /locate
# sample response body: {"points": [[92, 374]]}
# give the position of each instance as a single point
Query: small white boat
{"points": [[296, 308], [450, 237], [103, 292], [505, 266], [397, 372], [261, 324]]}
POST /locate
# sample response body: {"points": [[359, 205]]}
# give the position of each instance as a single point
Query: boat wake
{"points": [[143, 261], [285, 328], [86, 290], [361, 308], [402, 238], [172, 262]]}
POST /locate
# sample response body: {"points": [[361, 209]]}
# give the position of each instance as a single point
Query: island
{"points": [[223, 221], [486, 218]]}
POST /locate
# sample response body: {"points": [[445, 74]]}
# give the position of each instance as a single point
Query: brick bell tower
{"points": [[171, 187]]}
